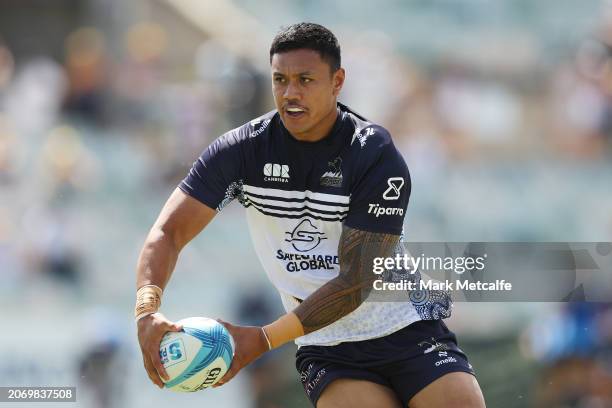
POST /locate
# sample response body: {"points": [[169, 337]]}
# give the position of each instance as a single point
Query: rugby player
{"points": [[325, 191]]}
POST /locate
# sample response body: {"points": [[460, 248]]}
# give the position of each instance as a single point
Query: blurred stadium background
{"points": [[502, 110]]}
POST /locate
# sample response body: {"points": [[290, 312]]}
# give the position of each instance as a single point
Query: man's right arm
{"points": [[180, 220]]}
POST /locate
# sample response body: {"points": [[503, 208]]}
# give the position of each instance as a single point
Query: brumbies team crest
{"points": [[333, 176]]}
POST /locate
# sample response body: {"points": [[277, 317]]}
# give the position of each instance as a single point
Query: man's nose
{"points": [[292, 91]]}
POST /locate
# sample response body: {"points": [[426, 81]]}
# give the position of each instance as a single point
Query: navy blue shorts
{"points": [[405, 361]]}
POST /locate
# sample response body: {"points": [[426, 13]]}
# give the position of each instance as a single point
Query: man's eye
{"points": [[306, 80], [279, 80]]}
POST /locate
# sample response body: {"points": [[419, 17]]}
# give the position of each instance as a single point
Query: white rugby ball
{"points": [[198, 356]]}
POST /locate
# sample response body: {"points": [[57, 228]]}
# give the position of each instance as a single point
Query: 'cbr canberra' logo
{"points": [[276, 172], [305, 237], [395, 185]]}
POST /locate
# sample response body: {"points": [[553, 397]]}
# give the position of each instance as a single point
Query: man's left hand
{"points": [[249, 344]]}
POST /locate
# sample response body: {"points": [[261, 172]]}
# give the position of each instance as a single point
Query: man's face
{"points": [[305, 92]]}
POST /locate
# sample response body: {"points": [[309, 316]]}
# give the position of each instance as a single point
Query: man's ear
{"points": [[338, 80]]}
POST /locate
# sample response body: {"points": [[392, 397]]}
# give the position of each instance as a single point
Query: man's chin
{"points": [[296, 131]]}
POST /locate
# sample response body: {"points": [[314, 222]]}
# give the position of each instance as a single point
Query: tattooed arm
{"points": [[332, 301], [343, 294]]}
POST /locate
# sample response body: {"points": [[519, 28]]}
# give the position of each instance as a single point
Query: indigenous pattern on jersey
{"points": [[297, 196]]}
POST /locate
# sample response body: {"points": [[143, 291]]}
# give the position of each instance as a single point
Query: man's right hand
{"points": [[151, 329]]}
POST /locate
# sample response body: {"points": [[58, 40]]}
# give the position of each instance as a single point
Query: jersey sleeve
{"points": [[215, 178], [381, 189]]}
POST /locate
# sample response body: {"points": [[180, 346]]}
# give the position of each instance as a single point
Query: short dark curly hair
{"points": [[310, 36]]}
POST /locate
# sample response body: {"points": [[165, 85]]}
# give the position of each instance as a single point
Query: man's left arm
{"points": [[343, 294]]}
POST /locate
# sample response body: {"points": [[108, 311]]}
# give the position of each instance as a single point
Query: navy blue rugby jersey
{"points": [[297, 196], [355, 174]]}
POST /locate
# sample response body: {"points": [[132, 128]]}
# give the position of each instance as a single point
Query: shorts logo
{"points": [[434, 345], [446, 361], [276, 172], [305, 237], [305, 373], [309, 386], [393, 191], [333, 176]]}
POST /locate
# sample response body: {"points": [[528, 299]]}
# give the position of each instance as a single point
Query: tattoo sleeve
{"points": [[343, 294]]}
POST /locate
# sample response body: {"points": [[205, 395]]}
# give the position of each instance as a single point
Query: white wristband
{"points": [[267, 338]]}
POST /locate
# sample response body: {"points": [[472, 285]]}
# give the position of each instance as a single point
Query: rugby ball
{"points": [[198, 356]]}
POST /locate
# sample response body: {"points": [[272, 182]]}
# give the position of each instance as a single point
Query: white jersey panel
{"points": [[283, 246], [369, 321]]}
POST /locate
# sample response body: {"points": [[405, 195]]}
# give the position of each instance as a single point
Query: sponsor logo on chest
{"points": [[276, 172], [305, 237]]}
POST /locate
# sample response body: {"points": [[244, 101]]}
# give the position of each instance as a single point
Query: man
{"points": [[313, 176]]}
